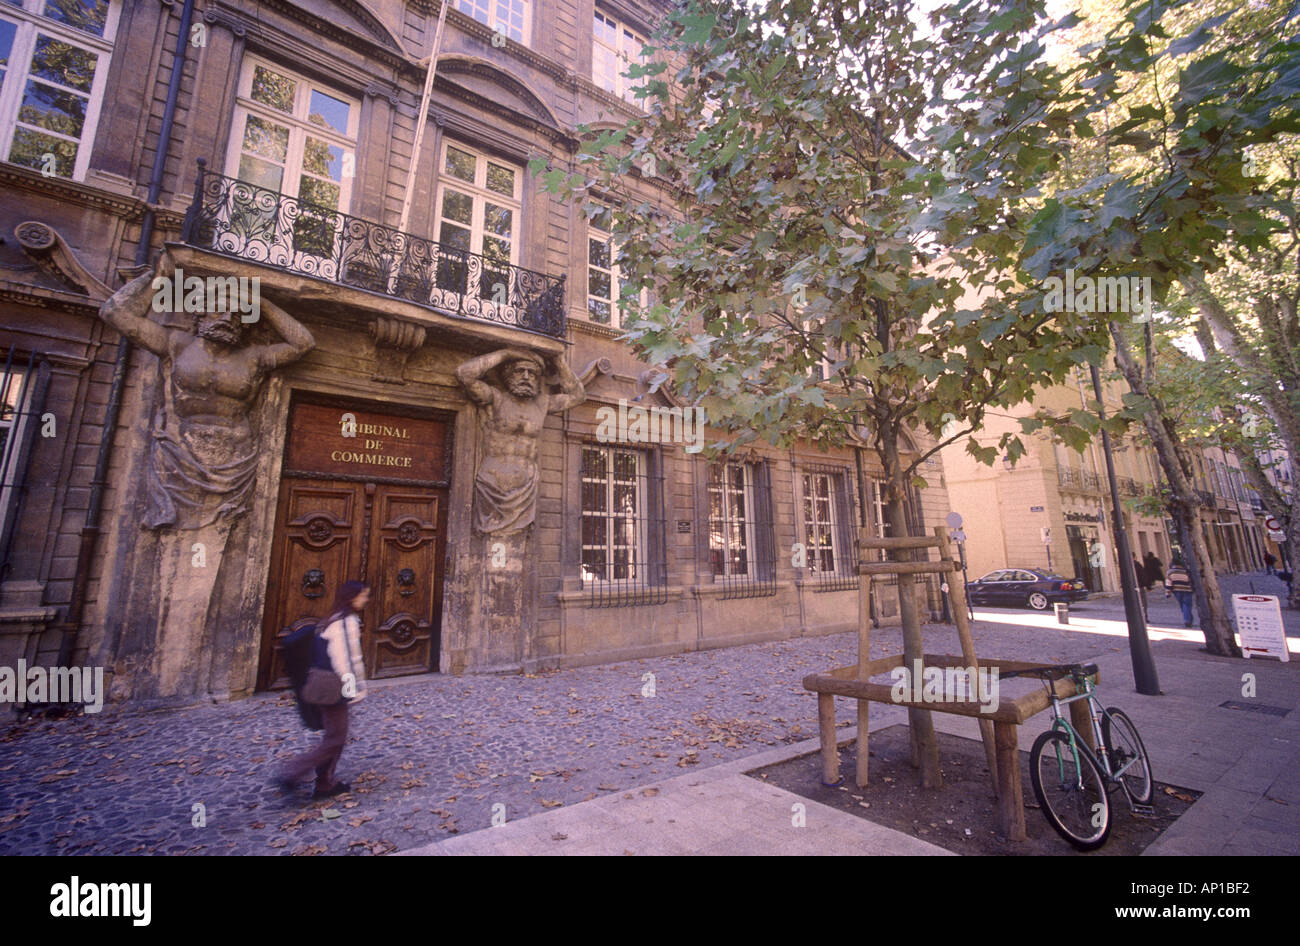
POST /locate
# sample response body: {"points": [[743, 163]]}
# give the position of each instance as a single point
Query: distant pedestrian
{"points": [[1179, 583], [1155, 571], [1269, 562], [1140, 575], [341, 632]]}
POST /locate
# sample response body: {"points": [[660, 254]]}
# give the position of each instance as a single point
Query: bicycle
{"points": [[1072, 781]]}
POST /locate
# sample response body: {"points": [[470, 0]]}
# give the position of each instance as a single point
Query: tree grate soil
{"points": [[962, 816]]}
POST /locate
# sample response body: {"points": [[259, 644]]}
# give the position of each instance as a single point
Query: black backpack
{"points": [[301, 650]]}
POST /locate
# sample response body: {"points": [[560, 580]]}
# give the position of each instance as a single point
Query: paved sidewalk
{"points": [[1246, 763], [717, 811], [432, 757]]}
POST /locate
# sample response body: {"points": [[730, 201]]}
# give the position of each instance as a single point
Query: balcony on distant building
{"points": [[1068, 477], [241, 220], [1130, 487]]}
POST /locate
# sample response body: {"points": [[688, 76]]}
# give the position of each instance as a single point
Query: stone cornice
{"points": [[467, 24], [43, 297], [587, 327], [71, 192], [389, 48], [384, 90]]}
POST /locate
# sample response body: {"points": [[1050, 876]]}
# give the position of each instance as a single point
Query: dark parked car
{"points": [[1025, 586]]}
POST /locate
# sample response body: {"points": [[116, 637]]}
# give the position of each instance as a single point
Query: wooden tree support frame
{"points": [[998, 728]]}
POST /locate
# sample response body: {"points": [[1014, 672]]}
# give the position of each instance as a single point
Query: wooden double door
{"points": [[390, 535]]}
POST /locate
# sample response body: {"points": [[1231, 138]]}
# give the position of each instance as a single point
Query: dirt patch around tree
{"points": [[962, 816]]}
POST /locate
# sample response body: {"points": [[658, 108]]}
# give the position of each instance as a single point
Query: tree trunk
{"points": [[1184, 507], [925, 748], [1283, 374]]}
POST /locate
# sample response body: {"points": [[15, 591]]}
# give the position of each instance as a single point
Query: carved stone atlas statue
{"points": [[199, 472], [202, 457], [505, 486]]}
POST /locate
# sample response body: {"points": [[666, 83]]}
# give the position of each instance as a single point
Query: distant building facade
{"points": [[1052, 509]]}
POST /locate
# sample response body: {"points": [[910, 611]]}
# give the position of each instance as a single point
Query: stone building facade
{"points": [[177, 495], [1052, 508]]}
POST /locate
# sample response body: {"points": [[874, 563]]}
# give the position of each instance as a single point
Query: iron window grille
{"points": [[23, 381], [742, 539], [828, 527], [624, 549]]}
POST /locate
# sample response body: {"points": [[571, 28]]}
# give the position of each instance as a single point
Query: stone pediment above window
{"points": [[343, 19], [495, 87]]}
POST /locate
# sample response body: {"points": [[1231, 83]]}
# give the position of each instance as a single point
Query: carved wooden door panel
{"points": [[405, 561], [318, 546]]}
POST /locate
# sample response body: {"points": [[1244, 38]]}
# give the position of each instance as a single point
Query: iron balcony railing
{"points": [[1067, 476], [239, 219], [1130, 487]]}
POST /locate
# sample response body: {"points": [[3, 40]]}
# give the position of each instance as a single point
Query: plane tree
{"points": [[820, 183]]}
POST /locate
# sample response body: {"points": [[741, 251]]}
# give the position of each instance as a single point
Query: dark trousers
{"points": [[325, 756]]}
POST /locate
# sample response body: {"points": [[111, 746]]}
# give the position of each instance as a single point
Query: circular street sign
{"points": [[954, 520], [1271, 524]]}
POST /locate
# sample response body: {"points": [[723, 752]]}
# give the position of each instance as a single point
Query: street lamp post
{"points": [[1144, 667]]}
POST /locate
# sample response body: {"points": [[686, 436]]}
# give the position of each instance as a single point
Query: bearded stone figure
{"points": [[505, 487], [202, 457], [199, 476]]}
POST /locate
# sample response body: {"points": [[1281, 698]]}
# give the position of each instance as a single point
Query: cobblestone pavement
{"points": [[433, 755]]}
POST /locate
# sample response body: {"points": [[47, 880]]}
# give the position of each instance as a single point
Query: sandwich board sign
{"points": [[1259, 622]]}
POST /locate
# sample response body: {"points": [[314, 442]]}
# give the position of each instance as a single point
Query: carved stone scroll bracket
{"points": [[598, 366], [44, 245], [395, 342]]}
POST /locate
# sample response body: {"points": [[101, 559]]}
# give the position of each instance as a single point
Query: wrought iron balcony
{"points": [[242, 220], [1206, 498], [1067, 476], [1129, 486]]}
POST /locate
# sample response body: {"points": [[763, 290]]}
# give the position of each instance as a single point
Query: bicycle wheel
{"points": [[1071, 791], [1124, 744]]}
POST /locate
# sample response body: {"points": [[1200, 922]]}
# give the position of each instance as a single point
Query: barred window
{"points": [[623, 553], [21, 394], [828, 527], [742, 546]]}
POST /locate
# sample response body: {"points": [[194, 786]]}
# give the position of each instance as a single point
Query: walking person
{"points": [[341, 633], [1155, 571], [1269, 562], [1179, 583], [1140, 574]]}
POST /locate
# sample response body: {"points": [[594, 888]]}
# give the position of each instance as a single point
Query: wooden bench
{"points": [[855, 683]]}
